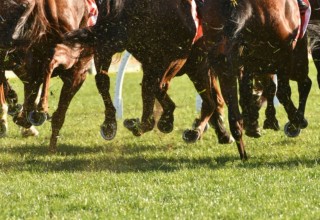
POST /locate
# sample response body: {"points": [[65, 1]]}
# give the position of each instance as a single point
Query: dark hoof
{"points": [[304, 124], [37, 118], [15, 109], [133, 125], [165, 124], [3, 129], [196, 123], [191, 136], [291, 130], [226, 139], [108, 131], [253, 133], [271, 124]]}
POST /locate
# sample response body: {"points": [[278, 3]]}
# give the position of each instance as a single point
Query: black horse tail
{"points": [[314, 36]]}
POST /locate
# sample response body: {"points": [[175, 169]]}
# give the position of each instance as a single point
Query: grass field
{"points": [[157, 176]]}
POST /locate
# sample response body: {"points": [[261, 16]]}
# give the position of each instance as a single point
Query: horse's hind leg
{"points": [[165, 123], [315, 51], [304, 87], [269, 93], [71, 85]]}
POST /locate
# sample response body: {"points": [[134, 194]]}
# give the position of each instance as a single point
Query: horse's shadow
{"points": [[129, 158]]}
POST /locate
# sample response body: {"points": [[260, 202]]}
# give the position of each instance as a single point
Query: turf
{"points": [[157, 176]]}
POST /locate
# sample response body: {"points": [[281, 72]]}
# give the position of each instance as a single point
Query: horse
{"points": [[161, 36], [299, 74], [17, 30], [48, 54], [254, 35]]}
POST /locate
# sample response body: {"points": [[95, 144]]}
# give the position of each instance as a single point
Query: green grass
{"points": [[157, 175]]}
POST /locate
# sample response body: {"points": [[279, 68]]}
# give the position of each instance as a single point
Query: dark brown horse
{"points": [[227, 27], [47, 53], [160, 35], [17, 30]]}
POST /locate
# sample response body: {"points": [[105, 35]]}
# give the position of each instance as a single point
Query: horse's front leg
{"points": [[149, 84], [108, 129], [71, 84], [39, 116]]}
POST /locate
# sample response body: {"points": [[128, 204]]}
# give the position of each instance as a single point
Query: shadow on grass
{"points": [[130, 158]]}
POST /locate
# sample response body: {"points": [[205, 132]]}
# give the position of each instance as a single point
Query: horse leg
{"points": [[248, 103], [229, 91], [292, 128], [39, 116], [304, 87], [202, 82], [315, 51], [149, 87], [216, 120], [12, 99], [108, 129], [165, 123], [71, 85], [3, 106], [269, 93]]}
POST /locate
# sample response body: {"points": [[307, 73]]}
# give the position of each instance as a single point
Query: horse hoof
{"points": [[304, 124], [37, 118], [108, 131], [165, 127], [133, 125], [191, 136], [226, 139], [29, 132], [3, 129], [291, 131], [255, 133], [271, 124], [15, 110]]}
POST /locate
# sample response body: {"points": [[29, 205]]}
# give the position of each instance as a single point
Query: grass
{"points": [[157, 175]]}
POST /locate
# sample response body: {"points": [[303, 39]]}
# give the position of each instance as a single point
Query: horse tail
{"points": [[237, 14], [33, 24]]}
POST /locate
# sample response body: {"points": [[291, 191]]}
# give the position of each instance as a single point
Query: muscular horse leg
{"points": [[71, 85], [315, 51], [109, 127]]}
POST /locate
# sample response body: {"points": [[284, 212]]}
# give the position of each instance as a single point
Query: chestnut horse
{"points": [[161, 36], [255, 35], [46, 54], [299, 74]]}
